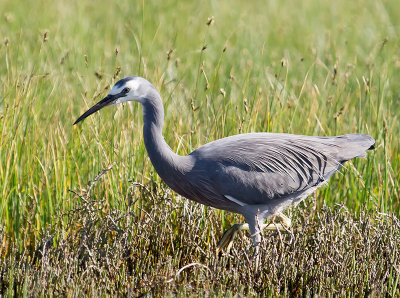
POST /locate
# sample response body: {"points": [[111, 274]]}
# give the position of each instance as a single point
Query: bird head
{"points": [[126, 89]]}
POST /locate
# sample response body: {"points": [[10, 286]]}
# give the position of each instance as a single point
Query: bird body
{"points": [[257, 168], [257, 175]]}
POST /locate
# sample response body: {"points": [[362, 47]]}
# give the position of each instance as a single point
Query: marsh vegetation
{"points": [[82, 210]]}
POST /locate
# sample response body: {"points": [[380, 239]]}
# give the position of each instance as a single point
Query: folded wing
{"points": [[255, 167]]}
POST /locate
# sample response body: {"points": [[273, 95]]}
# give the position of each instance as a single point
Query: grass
{"points": [[222, 68], [155, 252]]}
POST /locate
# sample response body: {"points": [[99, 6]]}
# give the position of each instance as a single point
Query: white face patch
{"points": [[115, 90], [132, 95], [131, 84]]}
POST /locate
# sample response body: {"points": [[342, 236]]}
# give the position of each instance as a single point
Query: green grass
{"points": [[307, 68]]}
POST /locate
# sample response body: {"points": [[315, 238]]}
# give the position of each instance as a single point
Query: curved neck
{"points": [[164, 160]]}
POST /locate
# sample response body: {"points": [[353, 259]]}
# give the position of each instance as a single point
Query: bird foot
{"points": [[230, 234], [285, 220], [228, 237], [285, 224]]}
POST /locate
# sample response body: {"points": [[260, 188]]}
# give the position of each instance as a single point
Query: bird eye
{"points": [[126, 90]]}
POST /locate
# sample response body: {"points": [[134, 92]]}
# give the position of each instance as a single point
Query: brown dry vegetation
{"points": [[167, 246]]}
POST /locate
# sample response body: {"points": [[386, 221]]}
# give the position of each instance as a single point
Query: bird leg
{"points": [[287, 222], [230, 234]]}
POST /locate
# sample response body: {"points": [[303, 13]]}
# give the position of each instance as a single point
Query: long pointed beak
{"points": [[106, 101]]}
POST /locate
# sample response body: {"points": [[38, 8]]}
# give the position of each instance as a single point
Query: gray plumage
{"points": [[257, 175]]}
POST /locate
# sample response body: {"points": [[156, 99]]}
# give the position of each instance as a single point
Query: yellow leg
{"points": [[285, 220], [228, 237]]}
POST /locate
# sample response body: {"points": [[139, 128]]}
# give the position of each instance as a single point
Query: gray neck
{"points": [[165, 161]]}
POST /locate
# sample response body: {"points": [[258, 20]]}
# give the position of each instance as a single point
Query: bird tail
{"points": [[356, 144]]}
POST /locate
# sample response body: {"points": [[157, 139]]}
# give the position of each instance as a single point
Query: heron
{"points": [[257, 175]]}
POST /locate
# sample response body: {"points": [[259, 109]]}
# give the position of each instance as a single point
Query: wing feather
{"points": [[256, 167]]}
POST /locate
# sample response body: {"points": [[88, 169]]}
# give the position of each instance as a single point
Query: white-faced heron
{"points": [[257, 175]]}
